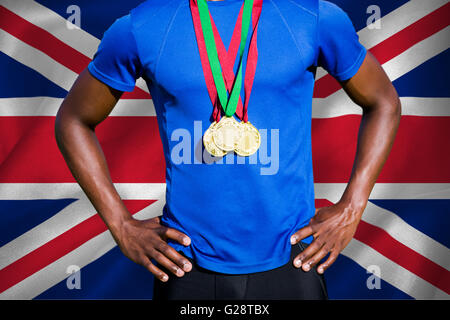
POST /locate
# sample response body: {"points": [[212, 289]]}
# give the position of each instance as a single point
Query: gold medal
{"points": [[209, 144], [226, 133], [249, 140]]}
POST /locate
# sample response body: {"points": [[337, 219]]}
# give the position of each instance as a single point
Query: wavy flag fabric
{"points": [[48, 228]]}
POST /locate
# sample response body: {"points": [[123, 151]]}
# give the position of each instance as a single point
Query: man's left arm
{"points": [[333, 227]]}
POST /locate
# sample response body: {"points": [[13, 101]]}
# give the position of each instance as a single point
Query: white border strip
{"points": [[417, 54], [37, 60], [411, 106], [393, 273], [334, 191], [48, 106], [407, 235]]}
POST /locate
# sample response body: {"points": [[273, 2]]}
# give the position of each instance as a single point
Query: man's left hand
{"points": [[332, 228]]}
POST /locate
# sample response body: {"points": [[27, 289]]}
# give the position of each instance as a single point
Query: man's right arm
{"points": [[87, 104]]}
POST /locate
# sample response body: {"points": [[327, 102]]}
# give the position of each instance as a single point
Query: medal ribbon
{"points": [[228, 104], [208, 51], [223, 56]]}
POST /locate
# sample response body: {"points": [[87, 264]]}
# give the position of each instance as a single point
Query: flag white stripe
{"points": [[397, 20], [334, 191], [411, 106], [37, 60], [42, 63], [50, 21], [29, 191], [56, 272], [396, 67], [88, 252], [55, 24], [67, 218], [417, 54], [330, 191], [51, 228], [48, 106], [393, 273], [406, 234]]}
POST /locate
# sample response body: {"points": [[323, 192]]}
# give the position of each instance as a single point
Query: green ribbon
{"points": [[228, 104]]}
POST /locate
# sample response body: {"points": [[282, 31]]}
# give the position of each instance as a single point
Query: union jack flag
{"points": [[47, 224]]}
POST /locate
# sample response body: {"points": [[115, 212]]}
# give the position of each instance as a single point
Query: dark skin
{"points": [[333, 227], [90, 101]]}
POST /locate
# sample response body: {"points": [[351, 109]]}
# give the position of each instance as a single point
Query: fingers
{"points": [[306, 254], [331, 259], [146, 240], [160, 275], [313, 254], [167, 263], [301, 234], [177, 236], [174, 256], [312, 261], [167, 256]]}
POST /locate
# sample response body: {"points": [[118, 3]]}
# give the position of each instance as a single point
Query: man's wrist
{"points": [[355, 204], [357, 192], [116, 224]]}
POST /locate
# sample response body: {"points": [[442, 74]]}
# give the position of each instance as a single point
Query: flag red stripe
{"points": [[381, 241], [44, 41], [133, 149], [418, 155], [393, 46], [59, 247]]}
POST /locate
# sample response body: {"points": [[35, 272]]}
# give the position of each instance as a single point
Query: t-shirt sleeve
{"points": [[116, 62], [340, 52]]}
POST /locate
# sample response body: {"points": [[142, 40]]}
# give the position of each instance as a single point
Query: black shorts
{"points": [[282, 283]]}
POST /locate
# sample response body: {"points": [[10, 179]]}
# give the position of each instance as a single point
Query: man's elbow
{"points": [[66, 123], [61, 125], [387, 103], [394, 106], [62, 118]]}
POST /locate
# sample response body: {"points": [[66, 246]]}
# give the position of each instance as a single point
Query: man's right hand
{"points": [[87, 104], [142, 240]]}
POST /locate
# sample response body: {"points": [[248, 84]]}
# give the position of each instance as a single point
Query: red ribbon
{"points": [[225, 58]]}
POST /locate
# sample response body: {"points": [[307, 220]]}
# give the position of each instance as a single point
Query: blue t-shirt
{"points": [[238, 211]]}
